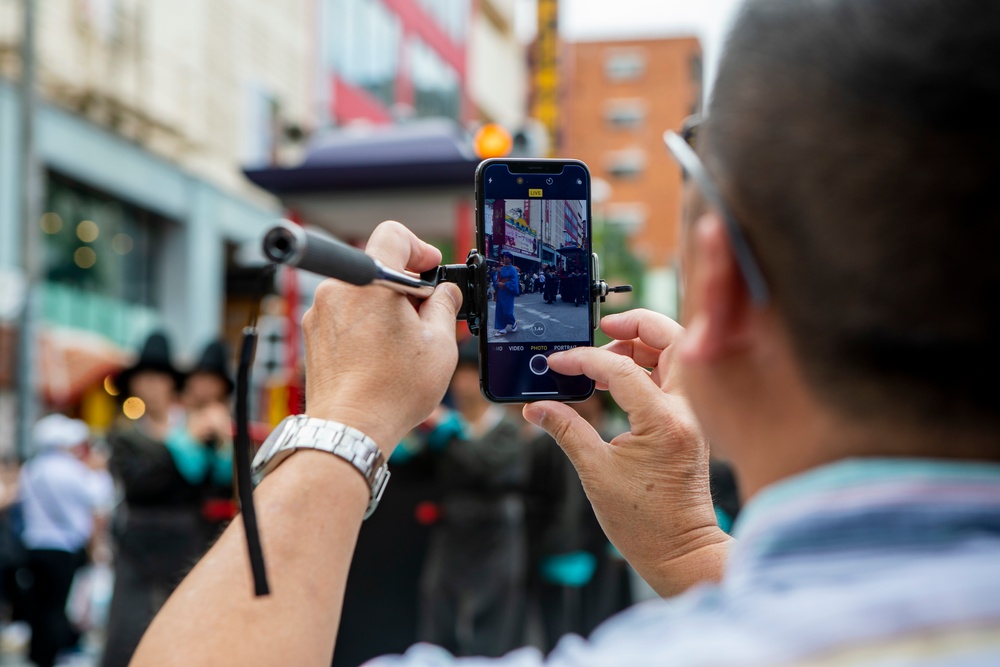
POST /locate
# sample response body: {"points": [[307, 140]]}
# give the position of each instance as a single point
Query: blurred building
{"points": [[535, 230], [401, 86], [620, 98], [149, 109], [395, 60]]}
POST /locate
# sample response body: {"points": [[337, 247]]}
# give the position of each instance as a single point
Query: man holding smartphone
{"points": [[839, 260]]}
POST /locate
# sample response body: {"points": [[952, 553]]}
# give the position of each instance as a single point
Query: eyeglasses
{"points": [[682, 150]]}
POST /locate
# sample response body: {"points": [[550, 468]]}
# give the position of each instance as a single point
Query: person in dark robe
{"points": [[160, 468], [473, 587], [551, 287]]}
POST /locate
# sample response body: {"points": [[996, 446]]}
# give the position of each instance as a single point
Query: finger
{"points": [[629, 384], [398, 248], [635, 349], [441, 308], [655, 330], [581, 442]]}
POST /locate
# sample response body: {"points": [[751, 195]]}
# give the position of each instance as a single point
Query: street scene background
{"points": [[147, 145]]}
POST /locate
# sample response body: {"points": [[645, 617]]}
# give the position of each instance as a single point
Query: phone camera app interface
{"points": [[536, 239]]}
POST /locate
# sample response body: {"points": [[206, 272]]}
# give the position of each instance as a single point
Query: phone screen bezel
{"points": [[528, 166]]}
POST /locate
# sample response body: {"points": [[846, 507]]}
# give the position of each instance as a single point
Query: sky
{"points": [[585, 20]]}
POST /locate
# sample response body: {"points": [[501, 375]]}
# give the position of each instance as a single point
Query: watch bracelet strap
{"points": [[348, 443]]}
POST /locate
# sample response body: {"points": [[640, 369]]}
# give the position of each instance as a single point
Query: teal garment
{"points": [[723, 519], [449, 428], [452, 426], [196, 462], [402, 453], [574, 569]]}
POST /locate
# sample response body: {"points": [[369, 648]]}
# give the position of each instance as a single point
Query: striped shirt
{"points": [[874, 562]]}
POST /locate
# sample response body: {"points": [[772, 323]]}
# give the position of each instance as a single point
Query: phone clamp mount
{"points": [[289, 244]]}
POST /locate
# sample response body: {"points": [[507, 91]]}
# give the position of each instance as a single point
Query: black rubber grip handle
{"points": [[329, 257], [294, 246]]}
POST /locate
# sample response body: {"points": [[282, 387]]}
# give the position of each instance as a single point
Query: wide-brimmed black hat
{"points": [[155, 356], [214, 362]]}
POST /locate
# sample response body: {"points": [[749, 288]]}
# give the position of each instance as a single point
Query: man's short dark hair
{"points": [[859, 143]]}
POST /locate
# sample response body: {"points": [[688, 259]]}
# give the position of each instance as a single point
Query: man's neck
{"points": [[809, 435]]}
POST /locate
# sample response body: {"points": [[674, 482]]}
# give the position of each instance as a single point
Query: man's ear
{"points": [[717, 301]]}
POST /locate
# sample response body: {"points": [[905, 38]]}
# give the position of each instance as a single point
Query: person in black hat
{"points": [[206, 398], [161, 469], [209, 381], [154, 381]]}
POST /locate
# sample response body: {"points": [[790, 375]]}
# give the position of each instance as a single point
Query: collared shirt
{"points": [[59, 497], [862, 562]]}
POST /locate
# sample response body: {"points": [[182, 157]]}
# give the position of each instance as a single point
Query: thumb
{"points": [[582, 444], [441, 308]]}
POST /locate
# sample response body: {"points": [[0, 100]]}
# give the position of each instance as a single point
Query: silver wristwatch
{"points": [[350, 444]]}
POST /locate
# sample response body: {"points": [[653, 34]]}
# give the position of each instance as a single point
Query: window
{"points": [[625, 114], [697, 78], [625, 65], [631, 216], [100, 262], [627, 164], [361, 44], [452, 16], [435, 82], [98, 243], [697, 69]]}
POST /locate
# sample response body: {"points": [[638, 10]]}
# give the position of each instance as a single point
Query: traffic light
{"points": [[492, 140]]}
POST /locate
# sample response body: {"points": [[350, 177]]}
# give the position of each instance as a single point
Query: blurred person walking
{"points": [[60, 496], [160, 461], [473, 586], [582, 580]]}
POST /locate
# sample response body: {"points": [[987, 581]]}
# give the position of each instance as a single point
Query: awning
{"points": [[420, 173], [71, 360], [433, 152]]}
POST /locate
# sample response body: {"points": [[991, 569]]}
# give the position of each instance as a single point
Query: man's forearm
{"points": [[309, 511]]}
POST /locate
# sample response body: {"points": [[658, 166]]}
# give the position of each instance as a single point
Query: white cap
{"points": [[60, 432]]}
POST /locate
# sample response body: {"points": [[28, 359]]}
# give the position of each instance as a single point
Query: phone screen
{"points": [[533, 226]]}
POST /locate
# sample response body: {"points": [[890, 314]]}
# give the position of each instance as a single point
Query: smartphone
{"points": [[533, 226]]}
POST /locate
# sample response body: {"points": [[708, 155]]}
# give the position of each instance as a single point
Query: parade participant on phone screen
{"points": [[507, 288], [551, 286], [839, 351]]}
